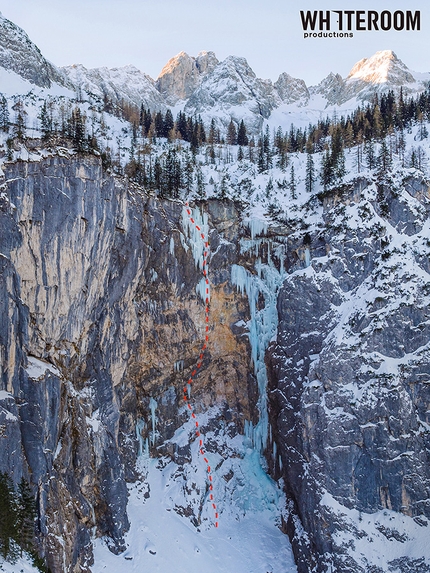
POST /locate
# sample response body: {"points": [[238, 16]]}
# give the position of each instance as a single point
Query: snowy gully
{"points": [[187, 388]]}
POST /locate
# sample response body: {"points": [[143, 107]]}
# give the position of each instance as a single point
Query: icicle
{"points": [[153, 407], [184, 243], [201, 290], [140, 426], [249, 434], [172, 246], [179, 366], [195, 230], [257, 227], [307, 257]]}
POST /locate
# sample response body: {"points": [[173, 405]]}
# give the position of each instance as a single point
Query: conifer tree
{"points": [[369, 152], [168, 123], [212, 132], [326, 174], [413, 161], [223, 187], [280, 143], [349, 135], [181, 123], [384, 159], [78, 130], [26, 516], [190, 133], [45, 121], [147, 121], [377, 122], [293, 184], [8, 517], [158, 176], [267, 150], [201, 133], [310, 173], [211, 154], [194, 137], [242, 138], [261, 161], [159, 124], [231, 133], [269, 188], [4, 114], [20, 120], [188, 172], [200, 182]]}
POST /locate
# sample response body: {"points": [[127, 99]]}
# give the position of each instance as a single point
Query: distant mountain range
{"points": [[203, 85]]}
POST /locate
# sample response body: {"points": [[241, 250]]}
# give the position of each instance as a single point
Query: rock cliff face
{"points": [[183, 74], [350, 380], [100, 317], [292, 90], [102, 322]]}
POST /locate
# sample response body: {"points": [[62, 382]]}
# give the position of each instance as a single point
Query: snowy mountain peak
{"points": [[382, 67], [175, 62], [20, 55], [206, 62], [381, 72], [182, 74], [232, 91], [330, 88], [292, 90]]}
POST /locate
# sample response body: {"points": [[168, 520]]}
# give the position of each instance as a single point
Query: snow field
{"points": [[160, 540]]}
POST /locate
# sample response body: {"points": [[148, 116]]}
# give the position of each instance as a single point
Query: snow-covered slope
{"points": [[162, 537], [126, 84]]}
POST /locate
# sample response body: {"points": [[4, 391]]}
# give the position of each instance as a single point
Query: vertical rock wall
{"points": [[100, 320]]}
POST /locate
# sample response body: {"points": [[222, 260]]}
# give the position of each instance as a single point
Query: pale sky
{"points": [[268, 33]]}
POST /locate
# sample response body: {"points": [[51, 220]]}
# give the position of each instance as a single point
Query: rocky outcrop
{"points": [[331, 88], [182, 75], [292, 90], [102, 320]]}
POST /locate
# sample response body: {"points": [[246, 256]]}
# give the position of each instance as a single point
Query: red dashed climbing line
{"points": [[187, 388]]}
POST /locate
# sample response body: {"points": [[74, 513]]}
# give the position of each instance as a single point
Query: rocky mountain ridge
{"points": [[202, 85]]}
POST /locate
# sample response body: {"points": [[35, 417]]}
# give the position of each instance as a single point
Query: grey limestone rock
{"points": [[349, 379]]}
